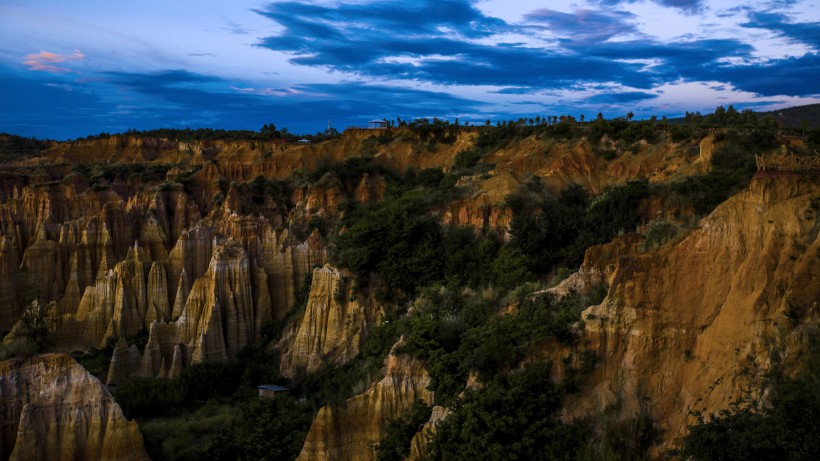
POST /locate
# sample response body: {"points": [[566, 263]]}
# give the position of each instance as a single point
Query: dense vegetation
{"points": [[733, 166], [511, 418], [212, 412], [13, 147], [801, 117]]}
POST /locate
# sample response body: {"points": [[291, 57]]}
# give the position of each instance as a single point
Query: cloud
{"points": [[46, 61], [801, 32], [585, 26], [387, 42], [117, 101], [266, 91], [796, 76], [687, 6], [618, 98], [234, 28], [439, 42]]}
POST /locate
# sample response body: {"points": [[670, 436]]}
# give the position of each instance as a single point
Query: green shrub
{"points": [[658, 232], [396, 239], [269, 429], [606, 154], [394, 444], [468, 258], [511, 418], [145, 398], [428, 177], [466, 159]]}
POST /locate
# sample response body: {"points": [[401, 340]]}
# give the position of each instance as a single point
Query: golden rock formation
{"points": [[332, 327], [53, 409], [687, 327], [349, 432]]}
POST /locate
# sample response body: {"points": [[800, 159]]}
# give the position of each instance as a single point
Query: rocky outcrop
{"points": [[9, 302], [690, 326], [221, 311], [332, 327], [53, 409], [288, 266], [418, 445], [349, 432]]}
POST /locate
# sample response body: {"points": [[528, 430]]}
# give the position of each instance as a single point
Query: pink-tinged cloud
{"points": [[46, 61]]}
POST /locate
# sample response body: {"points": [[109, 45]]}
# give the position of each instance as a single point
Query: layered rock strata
{"points": [[690, 326], [223, 310], [349, 432], [332, 327], [53, 409]]}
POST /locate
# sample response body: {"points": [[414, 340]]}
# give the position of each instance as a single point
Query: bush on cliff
{"points": [[557, 230], [733, 166], [455, 332], [511, 418], [394, 444]]}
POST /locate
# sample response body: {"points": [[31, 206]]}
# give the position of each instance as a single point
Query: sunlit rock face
{"points": [[332, 327], [349, 432], [689, 327], [53, 409]]}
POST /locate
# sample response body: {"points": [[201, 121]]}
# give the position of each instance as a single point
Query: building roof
{"points": [[378, 120], [272, 388]]}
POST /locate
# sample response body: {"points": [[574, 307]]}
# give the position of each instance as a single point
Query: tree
{"points": [[34, 323], [269, 131], [629, 116]]}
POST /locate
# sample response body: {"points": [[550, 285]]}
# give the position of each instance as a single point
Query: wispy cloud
{"points": [[688, 6], [807, 33], [266, 91], [585, 26], [46, 61]]}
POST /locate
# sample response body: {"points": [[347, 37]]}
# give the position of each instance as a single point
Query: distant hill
{"points": [[13, 147], [794, 116], [791, 117]]}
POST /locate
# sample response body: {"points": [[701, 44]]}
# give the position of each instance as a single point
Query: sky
{"points": [[73, 68]]}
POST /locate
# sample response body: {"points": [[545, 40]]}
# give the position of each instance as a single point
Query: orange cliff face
{"points": [[690, 327]]}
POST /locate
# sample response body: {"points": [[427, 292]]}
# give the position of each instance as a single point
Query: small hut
{"points": [[378, 124], [270, 390]]}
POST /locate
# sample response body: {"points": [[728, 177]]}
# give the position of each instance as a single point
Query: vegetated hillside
{"points": [[399, 278], [794, 117], [799, 118], [14, 147]]}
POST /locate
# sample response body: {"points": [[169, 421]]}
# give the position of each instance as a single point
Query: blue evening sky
{"points": [[73, 68]]}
